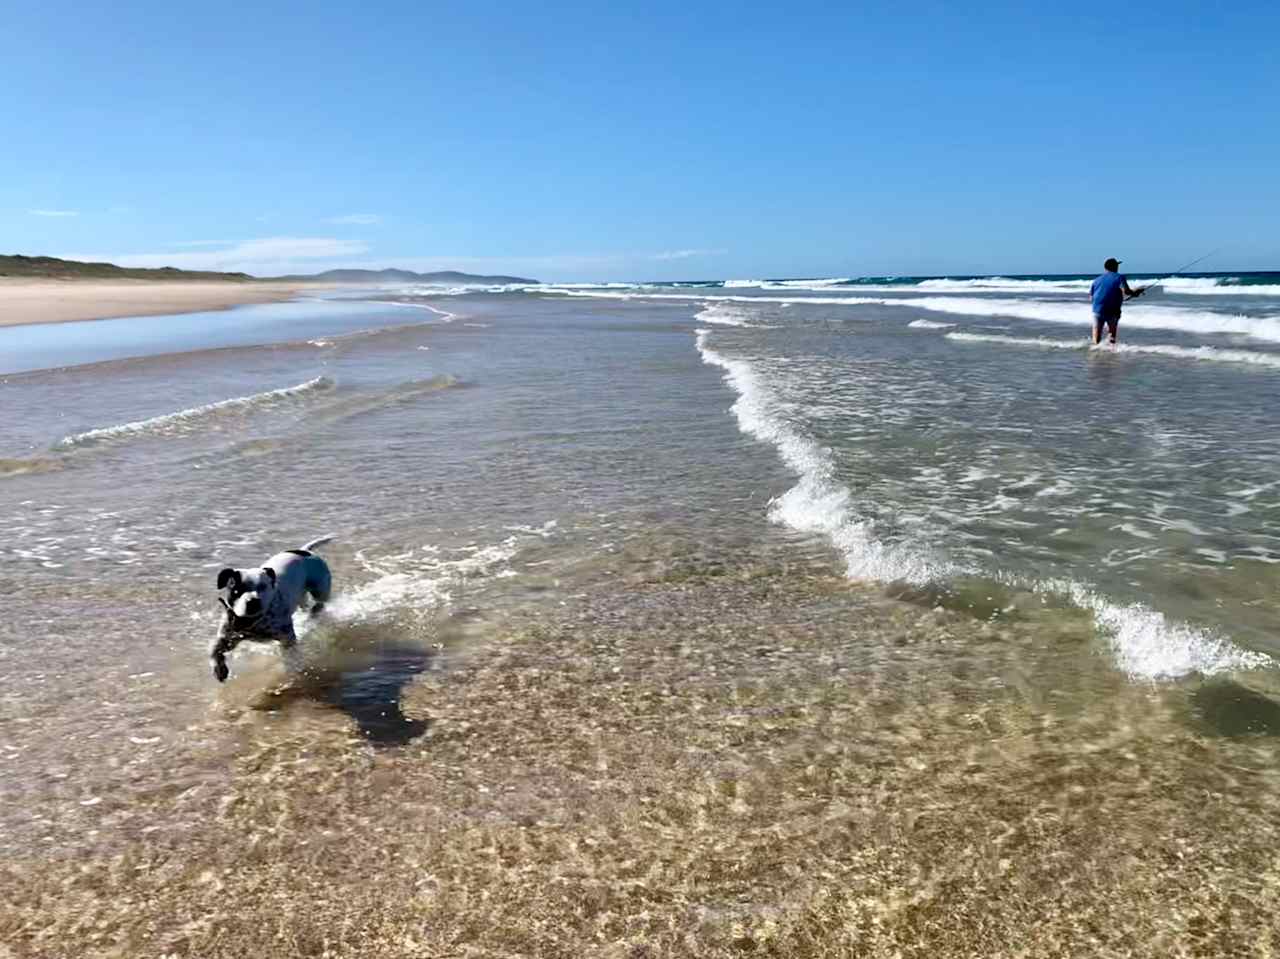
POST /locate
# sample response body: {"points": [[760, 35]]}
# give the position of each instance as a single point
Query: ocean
{"points": [[798, 615]]}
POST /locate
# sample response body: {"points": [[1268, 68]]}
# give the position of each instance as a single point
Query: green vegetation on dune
{"points": [[50, 267]]}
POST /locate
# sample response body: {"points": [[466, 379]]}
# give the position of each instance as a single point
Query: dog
{"points": [[260, 602]]}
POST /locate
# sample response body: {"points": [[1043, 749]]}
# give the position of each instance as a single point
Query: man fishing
{"points": [[1109, 291]]}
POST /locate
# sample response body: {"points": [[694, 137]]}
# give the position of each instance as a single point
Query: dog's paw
{"points": [[220, 670]]}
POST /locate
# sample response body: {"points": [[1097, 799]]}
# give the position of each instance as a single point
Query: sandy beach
{"points": [[24, 301]]}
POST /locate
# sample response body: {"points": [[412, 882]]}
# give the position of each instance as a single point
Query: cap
{"points": [[1111, 264]]}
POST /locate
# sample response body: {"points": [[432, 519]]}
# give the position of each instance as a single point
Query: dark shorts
{"points": [[1111, 323]]}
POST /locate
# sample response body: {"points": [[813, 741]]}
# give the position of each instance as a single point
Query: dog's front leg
{"points": [[287, 638], [222, 644]]}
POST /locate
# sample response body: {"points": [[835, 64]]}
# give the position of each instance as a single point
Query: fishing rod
{"points": [[1184, 268]]}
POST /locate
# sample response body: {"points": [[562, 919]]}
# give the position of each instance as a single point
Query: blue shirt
{"points": [[1108, 294]]}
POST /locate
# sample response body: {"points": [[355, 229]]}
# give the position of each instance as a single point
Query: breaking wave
{"points": [[183, 421], [1211, 353], [1145, 643], [1148, 646], [407, 392], [930, 325], [816, 284], [1197, 322], [723, 315], [817, 503]]}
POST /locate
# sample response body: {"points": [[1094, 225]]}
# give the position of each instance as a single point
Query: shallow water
{"points": [[589, 551]]}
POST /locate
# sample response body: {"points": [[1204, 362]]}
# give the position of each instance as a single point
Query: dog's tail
{"points": [[317, 542]]}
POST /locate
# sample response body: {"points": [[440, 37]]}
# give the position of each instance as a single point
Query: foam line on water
{"points": [[444, 314], [1211, 286], [930, 325], [723, 315], [1147, 645], [421, 581], [182, 420], [1198, 322], [817, 503], [1076, 313], [814, 284], [406, 392], [1209, 353], [1179, 285]]}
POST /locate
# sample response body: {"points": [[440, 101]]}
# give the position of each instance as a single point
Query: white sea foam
{"points": [[1002, 284], [930, 325], [418, 583], [1211, 353], [446, 316], [543, 287], [463, 289], [183, 420], [817, 503], [1147, 645], [1180, 285], [1211, 286], [1187, 320], [1080, 344], [1077, 313], [816, 284], [715, 297], [723, 315]]}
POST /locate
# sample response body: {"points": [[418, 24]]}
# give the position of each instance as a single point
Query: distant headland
{"points": [[449, 277], [48, 289], [54, 268]]}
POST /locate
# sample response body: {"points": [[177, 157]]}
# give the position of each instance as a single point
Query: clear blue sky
{"points": [[592, 141]]}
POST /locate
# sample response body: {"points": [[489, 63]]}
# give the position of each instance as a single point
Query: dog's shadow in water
{"points": [[1227, 708], [363, 672]]}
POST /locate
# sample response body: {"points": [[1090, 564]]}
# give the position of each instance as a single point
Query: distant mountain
{"points": [[444, 277], [50, 267]]}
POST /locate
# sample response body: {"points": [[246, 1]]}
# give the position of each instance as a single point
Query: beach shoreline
{"points": [[26, 302]]}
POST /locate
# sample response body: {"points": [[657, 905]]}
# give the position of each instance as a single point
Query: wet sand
{"points": [[24, 301], [709, 761], [574, 694]]}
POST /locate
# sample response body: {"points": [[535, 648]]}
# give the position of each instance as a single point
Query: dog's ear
{"points": [[226, 576], [271, 574]]}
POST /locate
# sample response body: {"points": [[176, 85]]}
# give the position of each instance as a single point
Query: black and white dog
{"points": [[260, 602]]}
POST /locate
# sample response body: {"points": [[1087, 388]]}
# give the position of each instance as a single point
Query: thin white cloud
{"points": [[356, 219], [270, 255], [54, 212], [686, 254]]}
